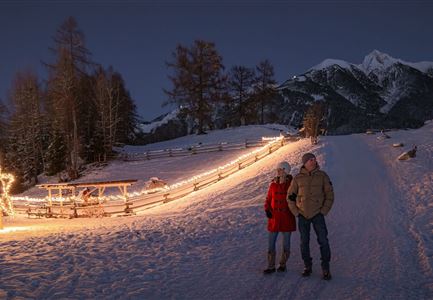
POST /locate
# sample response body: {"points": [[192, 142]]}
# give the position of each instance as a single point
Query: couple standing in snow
{"points": [[308, 196]]}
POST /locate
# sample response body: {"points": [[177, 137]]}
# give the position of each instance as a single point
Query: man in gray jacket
{"points": [[310, 197]]}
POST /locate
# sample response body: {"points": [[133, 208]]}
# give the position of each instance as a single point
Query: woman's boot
{"points": [[271, 263], [284, 257]]}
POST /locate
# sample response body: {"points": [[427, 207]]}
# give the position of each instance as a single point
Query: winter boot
{"points": [[284, 257], [326, 275], [307, 271], [271, 263]]}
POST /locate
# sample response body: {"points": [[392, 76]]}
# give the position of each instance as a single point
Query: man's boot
{"points": [[284, 257], [271, 263], [326, 274], [307, 271]]}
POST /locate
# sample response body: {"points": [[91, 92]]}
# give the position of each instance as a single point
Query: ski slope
{"points": [[212, 244]]}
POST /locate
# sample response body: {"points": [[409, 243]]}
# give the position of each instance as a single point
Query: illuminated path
{"points": [[212, 244]]}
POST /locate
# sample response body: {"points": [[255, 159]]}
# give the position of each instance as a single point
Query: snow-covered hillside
{"points": [[212, 244], [173, 169], [229, 135]]}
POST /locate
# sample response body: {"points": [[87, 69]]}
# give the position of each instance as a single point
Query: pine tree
{"points": [[91, 149], [264, 87], [313, 119], [3, 130], [55, 154], [241, 80], [27, 128], [127, 126], [64, 89], [115, 110], [198, 82]]}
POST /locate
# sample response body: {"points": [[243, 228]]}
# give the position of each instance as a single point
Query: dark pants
{"points": [[319, 226]]}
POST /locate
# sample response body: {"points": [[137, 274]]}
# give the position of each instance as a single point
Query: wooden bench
{"points": [[38, 211]]}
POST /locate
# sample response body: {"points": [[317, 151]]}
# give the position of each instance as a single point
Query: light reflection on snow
{"points": [[16, 228]]}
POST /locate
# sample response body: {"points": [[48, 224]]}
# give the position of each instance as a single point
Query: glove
{"points": [[268, 214], [292, 197]]}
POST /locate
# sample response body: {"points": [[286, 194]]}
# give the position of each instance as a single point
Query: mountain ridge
{"points": [[382, 91]]}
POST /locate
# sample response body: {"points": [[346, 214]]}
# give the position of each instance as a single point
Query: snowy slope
{"points": [[173, 169], [229, 135], [212, 244]]}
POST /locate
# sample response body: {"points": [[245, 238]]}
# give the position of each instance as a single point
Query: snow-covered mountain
{"points": [[165, 127], [382, 91]]}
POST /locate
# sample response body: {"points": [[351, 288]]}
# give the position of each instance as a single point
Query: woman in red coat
{"points": [[280, 219]]}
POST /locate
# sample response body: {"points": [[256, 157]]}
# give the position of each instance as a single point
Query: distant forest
{"points": [[82, 110]]}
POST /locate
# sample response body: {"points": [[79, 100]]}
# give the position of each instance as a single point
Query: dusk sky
{"points": [[138, 37]]}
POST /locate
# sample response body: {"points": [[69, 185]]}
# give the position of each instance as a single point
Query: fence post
{"points": [[220, 147], [165, 198], [193, 150], [169, 152], [246, 143], [128, 210], [147, 155]]}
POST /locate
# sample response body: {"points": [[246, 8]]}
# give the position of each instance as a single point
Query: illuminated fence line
{"points": [[137, 201], [205, 148]]}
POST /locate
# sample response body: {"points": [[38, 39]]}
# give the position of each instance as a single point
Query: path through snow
{"points": [[212, 244]]}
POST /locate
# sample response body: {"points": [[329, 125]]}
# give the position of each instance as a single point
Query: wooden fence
{"points": [[135, 202], [154, 154]]}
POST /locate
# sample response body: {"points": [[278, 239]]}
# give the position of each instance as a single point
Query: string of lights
{"points": [[272, 141], [6, 202]]}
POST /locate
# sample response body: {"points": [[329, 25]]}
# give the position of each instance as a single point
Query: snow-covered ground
{"points": [[212, 243], [172, 169], [229, 135]]}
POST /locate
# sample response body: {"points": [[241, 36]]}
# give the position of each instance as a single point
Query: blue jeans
{"points": [[272, 239], [319, 226]]}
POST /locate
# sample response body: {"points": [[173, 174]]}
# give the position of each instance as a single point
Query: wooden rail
{"points": [[132, 203], [154, 154]]}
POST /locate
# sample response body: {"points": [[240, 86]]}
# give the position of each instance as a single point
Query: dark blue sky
{"points": [[137, 37]]}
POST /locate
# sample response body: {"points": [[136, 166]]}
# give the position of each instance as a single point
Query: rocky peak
{"points": [[377, 60], [331, 62]]}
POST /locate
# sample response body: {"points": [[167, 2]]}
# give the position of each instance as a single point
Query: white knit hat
{"points": [[285, 166]]}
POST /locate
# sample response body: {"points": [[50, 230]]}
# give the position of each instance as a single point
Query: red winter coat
{"points": [[282, 219]]}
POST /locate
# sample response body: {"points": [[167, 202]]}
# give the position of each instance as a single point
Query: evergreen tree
{"points": [[3, 135], [313, 119], [115, 111], [241, 81], [91, 149], [3, 131], [198, 82], [64, 90], [27, 128], [264, 87], [126, 126], [55, 154]]}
